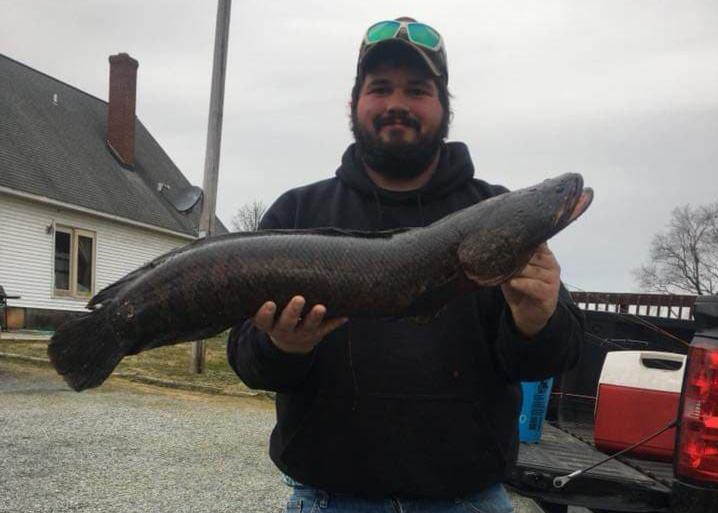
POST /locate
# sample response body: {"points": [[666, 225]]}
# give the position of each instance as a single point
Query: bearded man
{"points": [[380, 415]]}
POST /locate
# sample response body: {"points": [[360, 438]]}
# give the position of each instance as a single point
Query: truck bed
{"points": [[658, 470], [626, 485], [622, 484]]}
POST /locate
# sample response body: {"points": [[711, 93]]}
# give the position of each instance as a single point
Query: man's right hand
{"points": [[290, 333]]}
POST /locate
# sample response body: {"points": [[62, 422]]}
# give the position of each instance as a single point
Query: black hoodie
{"points": [[398, 408]]}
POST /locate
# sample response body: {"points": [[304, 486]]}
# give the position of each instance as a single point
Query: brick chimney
{"points": [[121, 115]]}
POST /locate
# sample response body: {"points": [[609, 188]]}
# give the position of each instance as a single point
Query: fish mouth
{"points": [[584, 201], [581, 199]]}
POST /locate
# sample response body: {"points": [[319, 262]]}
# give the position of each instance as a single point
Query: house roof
{"points": [[59, 151]]}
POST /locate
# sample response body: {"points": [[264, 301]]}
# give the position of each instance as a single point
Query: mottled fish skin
{"points": [[215, 283]]}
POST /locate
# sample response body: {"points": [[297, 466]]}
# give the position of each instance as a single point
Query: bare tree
{"points": [[248, 216], [685, 257]]}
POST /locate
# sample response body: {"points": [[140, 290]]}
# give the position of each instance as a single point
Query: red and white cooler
{"points": [[638, 394]]}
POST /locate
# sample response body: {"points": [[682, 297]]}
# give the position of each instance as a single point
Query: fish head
{"points": [[505, 233]]}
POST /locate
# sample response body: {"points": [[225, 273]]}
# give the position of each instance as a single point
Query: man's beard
{"points": [[396, 159]]}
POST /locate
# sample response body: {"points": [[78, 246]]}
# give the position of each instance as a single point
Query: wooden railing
{"points": [[656, 305]]}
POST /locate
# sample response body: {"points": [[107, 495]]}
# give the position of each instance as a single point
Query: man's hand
{"points": [[292, 334], [532, 294]]}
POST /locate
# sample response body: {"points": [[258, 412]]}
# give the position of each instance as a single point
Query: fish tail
{"points": [[85, 350]]}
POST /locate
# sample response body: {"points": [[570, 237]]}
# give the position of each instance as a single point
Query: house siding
{"points": [[26, 251]]}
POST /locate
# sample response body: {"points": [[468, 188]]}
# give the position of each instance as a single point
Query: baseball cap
{"points": [[423, 39]]}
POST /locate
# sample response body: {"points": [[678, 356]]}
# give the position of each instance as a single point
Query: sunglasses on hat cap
{"points": [[421, 37], [417, 33]]}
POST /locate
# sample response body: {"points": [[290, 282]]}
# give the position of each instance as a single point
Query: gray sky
{"points": [[625, 93]]}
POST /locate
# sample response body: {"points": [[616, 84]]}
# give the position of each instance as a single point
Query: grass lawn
{"points": [[168, 363]]}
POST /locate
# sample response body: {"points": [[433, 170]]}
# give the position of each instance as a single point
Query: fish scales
{"points": [[215, 283]]}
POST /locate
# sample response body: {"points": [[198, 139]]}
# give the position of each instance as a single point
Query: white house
{"points": [[86, 193]]}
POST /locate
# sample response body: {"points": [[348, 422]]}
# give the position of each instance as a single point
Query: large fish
{"points": [[214, 283]]}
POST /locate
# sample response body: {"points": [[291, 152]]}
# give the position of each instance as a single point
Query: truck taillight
{"points": [[697, 454]]}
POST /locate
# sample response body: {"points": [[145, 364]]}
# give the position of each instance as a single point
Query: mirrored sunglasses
{"points": [[418, 33]]}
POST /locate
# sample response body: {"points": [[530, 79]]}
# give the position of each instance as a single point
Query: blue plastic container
{"points": [[533, 409]]}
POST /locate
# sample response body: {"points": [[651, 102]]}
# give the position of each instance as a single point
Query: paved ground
{"points": [[126, 447]]}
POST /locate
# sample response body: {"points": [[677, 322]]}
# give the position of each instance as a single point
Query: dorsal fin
{"points": [[110, 291], [337, 232]]}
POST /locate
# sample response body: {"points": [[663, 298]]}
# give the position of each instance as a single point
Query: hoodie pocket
{"points": [[411, 447], [324, 439]]}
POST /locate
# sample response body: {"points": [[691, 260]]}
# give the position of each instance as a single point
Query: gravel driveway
{"points": [[126, 448], [131, 448]]}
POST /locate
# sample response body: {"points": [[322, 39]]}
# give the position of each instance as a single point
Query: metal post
{"points": [[207, 220]]}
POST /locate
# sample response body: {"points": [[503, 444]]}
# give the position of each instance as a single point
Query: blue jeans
{"points": [[305, 499]]}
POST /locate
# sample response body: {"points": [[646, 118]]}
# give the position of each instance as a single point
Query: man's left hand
{"points": [[532, 294]]}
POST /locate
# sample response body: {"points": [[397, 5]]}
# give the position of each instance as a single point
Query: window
{"points": [[74, 262]]}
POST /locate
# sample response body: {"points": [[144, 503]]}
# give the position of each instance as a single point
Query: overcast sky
{"points": [[623, 92]]}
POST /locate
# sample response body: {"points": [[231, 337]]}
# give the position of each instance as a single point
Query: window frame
{"points": [[75, 234]]}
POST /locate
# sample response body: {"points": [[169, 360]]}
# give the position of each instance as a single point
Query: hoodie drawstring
{"points": [[380, 212], [421, 210], [378, 208]]}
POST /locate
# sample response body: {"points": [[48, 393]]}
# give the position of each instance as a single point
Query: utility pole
{"points": [[207, 219]]}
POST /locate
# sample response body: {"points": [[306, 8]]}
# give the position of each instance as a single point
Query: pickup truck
{"points": [[547, 471]]}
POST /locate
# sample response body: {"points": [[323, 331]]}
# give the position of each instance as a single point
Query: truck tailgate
{"points": [[612, 486]]}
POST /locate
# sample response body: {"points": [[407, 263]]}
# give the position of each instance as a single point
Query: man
{"points": [[378, 415]]}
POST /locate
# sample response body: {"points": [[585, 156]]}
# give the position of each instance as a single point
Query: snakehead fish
{"points": [[212, 284]]}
